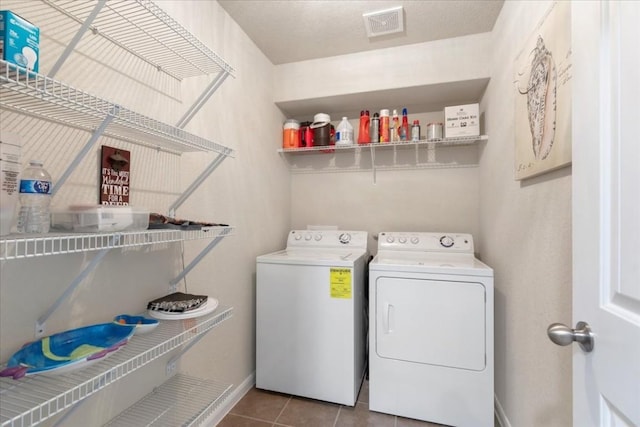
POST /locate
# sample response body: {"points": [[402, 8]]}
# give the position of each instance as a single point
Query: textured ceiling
{"points": [[297, 30]]}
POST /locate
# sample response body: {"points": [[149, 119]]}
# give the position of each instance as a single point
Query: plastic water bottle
{"points": [[344, 134], [35, 198]]}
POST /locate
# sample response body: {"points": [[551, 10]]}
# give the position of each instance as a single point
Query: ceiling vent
{"points": [[383, 22]]}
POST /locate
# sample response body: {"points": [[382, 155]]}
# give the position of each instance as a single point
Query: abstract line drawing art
{"points": [[543, 96], [541, 100]]}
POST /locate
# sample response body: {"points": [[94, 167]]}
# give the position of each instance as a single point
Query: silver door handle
{"points": [[564, 335]]}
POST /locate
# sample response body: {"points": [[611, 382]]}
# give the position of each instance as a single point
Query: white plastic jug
{"points": [[344, 133]]}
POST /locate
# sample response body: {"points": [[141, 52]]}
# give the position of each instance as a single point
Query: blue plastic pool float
{"points": [[68, 350]]}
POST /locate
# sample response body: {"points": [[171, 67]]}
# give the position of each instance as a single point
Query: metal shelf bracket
{"points": [[173, 283], [85, 150], [76, 39], [198, 181], [202, 99], [42, 320]]}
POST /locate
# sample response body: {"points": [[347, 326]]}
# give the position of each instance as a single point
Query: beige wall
{"points": [[250, 191], [526, 237], [405, 193]]}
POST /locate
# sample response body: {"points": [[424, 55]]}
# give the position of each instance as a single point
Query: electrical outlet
{"points": [[171, 367]]}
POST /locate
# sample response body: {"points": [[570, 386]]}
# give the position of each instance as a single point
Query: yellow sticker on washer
{"points": [[340, 282]]}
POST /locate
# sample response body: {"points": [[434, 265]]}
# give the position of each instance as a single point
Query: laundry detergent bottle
{"points": [[363, 132]]}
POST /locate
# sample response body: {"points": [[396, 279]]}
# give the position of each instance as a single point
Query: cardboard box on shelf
{"points": [[19, 41], [462, 120]]}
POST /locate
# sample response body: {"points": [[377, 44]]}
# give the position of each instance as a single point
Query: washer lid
{"points": [[334, 257], [435, 263]]}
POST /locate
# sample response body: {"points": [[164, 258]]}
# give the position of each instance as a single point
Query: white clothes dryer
{"points": [[431, 330], [310, 316]]}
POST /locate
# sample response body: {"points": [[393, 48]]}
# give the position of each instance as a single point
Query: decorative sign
{"points": [[115, 172], [543, 96]]}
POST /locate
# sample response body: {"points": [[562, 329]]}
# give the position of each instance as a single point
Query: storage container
{"points": [[10, 166], [19, 41], [321, 129], [462, 120], [94, 219], [291, 134]]}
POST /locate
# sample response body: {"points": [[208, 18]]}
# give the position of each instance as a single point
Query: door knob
{"points": [[564, 335]]}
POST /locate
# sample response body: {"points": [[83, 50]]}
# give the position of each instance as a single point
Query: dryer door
{"points": [[430, 321]]}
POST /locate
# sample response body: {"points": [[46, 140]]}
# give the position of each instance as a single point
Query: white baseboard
{"points": [[500, 414], [236, 395]]}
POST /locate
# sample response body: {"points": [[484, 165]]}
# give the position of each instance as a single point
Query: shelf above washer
{"points": [[445, 142]]}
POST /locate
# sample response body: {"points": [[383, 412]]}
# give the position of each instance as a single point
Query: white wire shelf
{"points": [[43, 97], [18, 246], [181, 401], [144, 29], [33, 399], [139, 27], [444, 142]]}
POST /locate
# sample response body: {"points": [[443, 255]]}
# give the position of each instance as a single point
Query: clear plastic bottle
{"points": [[35, 198], [344, 133]]}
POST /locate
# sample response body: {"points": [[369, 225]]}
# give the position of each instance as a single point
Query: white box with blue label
{"points": [[462, 120], [19, 40]]}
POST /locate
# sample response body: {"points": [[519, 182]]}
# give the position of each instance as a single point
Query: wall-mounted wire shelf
{"points": [[182, 401], [445, 142], [405, 155], [139, 27], [29, 246], [43, 97], [31, 400]]}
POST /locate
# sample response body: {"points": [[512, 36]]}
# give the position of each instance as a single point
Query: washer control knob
{"points": [[446, 241], [318, 237], [298, 236], [307, 236], [402, 240], [415, 240], [345, 238], [390, 239]]}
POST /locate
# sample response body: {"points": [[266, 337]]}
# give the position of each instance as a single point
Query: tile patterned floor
{"points": [[259, 408]]}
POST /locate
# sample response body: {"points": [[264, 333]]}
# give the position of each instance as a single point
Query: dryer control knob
{"points": [[318, 237], [390, 239], [345, 238], [298, 236], [307, 236], [446, 241], [402, 240], [415, 240]]}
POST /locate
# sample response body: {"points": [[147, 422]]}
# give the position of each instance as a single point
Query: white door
{"points": [[606, 211]]}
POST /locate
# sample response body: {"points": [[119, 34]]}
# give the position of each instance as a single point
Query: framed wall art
{"points": [[543, 96]]}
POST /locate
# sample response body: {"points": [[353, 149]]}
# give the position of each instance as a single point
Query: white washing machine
{"points": [[310, 316], [431, 330]]}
